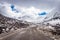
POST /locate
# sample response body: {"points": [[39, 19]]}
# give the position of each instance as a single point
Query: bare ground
{"points": [[30, 33]]}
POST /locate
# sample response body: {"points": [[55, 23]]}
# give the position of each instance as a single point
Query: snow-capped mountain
{"points": [[30, 14], [53, 17]]}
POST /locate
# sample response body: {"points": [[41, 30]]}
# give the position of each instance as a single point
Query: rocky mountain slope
{"points": [[53, 15], [9, 23]]}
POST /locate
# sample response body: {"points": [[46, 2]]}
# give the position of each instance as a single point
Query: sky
{"points": [[30, 10], [36, 3]]}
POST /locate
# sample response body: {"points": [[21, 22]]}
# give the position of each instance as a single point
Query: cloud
{"points": [[28, 9], [23, 13], [44, 4]]}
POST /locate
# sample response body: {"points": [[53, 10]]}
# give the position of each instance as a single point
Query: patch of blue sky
{"points": [[13, 9], [42, 13]]}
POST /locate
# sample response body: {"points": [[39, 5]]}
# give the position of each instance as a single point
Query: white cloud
{"points": [[24, 13]]}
